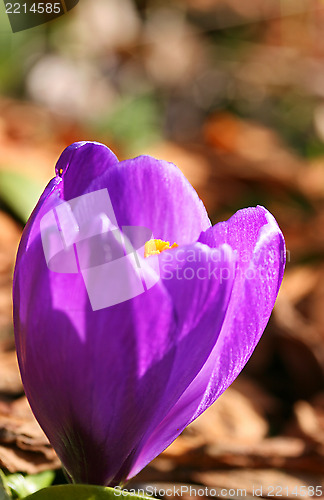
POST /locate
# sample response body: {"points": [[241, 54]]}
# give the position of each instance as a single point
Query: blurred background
{"points": [[233, 93]]}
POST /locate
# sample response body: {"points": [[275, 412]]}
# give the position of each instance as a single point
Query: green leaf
{"points": [[25, 485], [19, 192], [83, 492], [4, 490]]}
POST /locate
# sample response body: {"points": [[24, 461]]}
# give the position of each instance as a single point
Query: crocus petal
{"points": [[80, 164], [254, 234], [155, 194], [105, 365], [113, 384], [55, 322], [199, 279], [258, 242], [60, 340]]}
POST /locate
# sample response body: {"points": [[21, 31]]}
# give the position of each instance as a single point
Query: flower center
{"points": [[154, 247]]}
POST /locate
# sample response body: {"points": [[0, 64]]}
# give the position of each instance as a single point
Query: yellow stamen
{"points": [[154, 247]]}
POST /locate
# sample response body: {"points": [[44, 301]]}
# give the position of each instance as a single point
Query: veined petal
{"points": [[119, 353], [199, 279], [258, 242], [113, 363], [255, 236], [155, 194]]}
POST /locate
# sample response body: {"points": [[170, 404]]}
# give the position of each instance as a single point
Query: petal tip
{"points": [[66, 156]]}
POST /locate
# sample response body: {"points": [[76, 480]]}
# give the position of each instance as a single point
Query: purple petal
{"points": [[84, 371], [113, 387], [199, 280], [155, 194], [255, 236], [93, 378], [98, 380], [80, 164], [70, 355]]}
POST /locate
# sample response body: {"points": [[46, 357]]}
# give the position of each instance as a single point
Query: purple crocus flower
{"points": [[113, 386]]}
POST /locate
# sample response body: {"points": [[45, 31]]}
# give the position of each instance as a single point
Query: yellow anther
{"points": [[154, 247]]}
